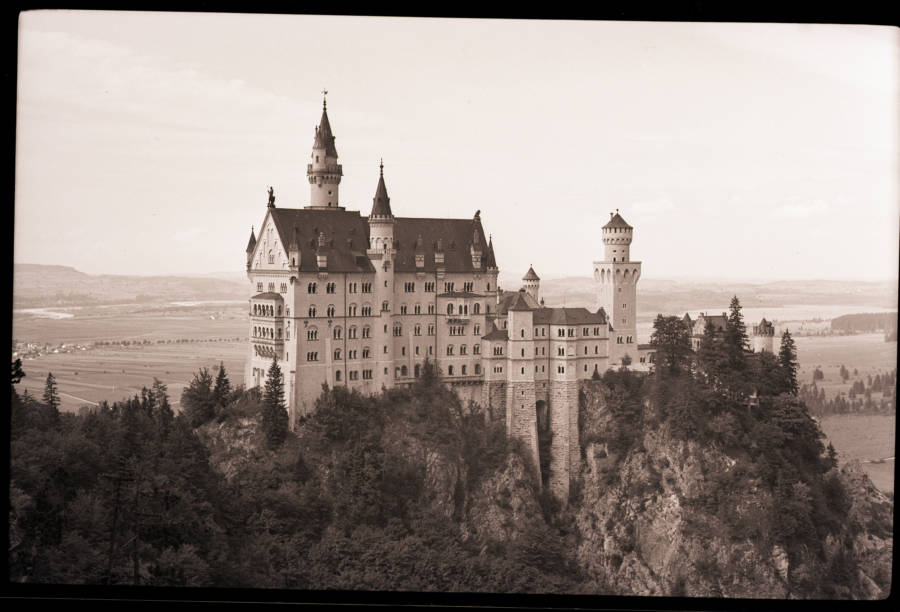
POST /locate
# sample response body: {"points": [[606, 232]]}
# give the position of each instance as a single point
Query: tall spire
{"points": [[324, 139], [252, 243], [381, 203], [324, 172]]}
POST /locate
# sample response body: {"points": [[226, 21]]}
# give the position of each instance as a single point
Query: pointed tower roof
{"points": [[252, 243], [324, 138], [531, 275], [616, 220], [381, 203], [294, 245], [519, 302], [490, 261]]}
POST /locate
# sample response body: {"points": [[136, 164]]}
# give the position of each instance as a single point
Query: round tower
{"points": [[617, 236], [323, 171], [763, 337], [532, 284]]}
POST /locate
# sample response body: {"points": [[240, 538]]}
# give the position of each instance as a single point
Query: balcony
{"points": [[268, 348], [329, 169]]}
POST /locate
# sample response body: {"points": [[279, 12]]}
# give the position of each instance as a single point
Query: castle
{"points": [[343, 299]]}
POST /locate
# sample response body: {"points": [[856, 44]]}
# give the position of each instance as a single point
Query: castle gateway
{"points": [[343, 299]]}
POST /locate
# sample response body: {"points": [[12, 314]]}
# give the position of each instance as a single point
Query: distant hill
{"points": [[38, 286]]}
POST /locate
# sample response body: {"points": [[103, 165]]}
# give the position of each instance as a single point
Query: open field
{"points": [[867, 353], [866, 438], [113, 373]]}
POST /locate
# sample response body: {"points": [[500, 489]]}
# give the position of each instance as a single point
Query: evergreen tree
{"points": [[17, 373], [197, 399], [736, 341], [274, 413], [51, 394], [223, 387], [787, 357], [162, 410], [673, 345], [711, 354]]}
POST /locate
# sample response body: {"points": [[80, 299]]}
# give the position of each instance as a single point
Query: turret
{"points": [[617, 236], [251, 246], [322, 252], [476, 250], [323, 171], [381, 219], [532, 284]]}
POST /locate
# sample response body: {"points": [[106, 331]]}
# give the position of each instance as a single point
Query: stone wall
{"points": [[493, 400], [565, 453], [521, 419]]}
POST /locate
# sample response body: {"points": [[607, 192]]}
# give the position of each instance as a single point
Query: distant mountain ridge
{"points": [[38, 285]]}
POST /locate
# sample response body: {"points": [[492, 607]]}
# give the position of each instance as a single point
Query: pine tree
{"points": [[787, 357], [17, 373], [223, 387], [162, 410], [51, 394], [736, 341], [274, 413], [711, 354], [673, 345], [197, 399]]}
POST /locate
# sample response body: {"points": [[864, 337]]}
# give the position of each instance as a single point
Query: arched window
{"points": [[449, 309], [464, 370], [385, 307], [330, 311], [477, 368], [403, 371], [337, 375], [416, 370], [279, 311], [476, 308], [337, 354], [271, 257], [450, 370], [312, 311], [337, 333], [523, 333]]}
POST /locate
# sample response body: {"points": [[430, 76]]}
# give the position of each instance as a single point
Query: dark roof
{"points": [[719, 322], [456, 237], [617, 221], [490, 260], [381, 203], [346, 235], [507, 297], [531, 275], [268, 295], [496, 334], [519, 303], [568, 316], [687, 319], [324, 138], [646, 347], [252, 243]]}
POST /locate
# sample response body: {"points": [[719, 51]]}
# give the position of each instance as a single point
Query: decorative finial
{"points": [[324, 101], [271, 197], [381, 167], [617, 211]]}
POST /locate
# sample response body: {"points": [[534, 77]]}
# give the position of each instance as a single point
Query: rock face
{"points": [[502, 504], [232, 444], [642, 531]]}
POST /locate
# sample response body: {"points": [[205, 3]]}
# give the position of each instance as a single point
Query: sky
{"points": [[146, 141]]}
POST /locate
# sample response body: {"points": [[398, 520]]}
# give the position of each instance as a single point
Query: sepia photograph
{"points": [[318, 305]]}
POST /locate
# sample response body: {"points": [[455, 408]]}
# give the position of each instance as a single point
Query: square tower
{"points": [[617, 278]]}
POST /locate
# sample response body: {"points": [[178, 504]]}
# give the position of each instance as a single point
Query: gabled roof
{"points": [[324, 138], [490, 261], [617, 221], [569, 316], [496, 334], [531, 275], [347, 236], [519, 303], [252, 243], [507, 297], [455, 236], [719, 322], [381, 203]]}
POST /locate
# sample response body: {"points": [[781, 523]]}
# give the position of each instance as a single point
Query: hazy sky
{"points": [[146, 141]]}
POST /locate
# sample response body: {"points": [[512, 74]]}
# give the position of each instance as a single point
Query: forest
{"points": [[411, 490]]}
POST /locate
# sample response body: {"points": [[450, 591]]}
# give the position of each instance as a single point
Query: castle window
{"points": [[429, 287], [449, 349], [272, 287], [366, 311], [259, 287], [431, 309], [351, 333], [467, 287], [398, 330], [403, 351], [561, 352], [586, 332], [367, 332], [571, 333], [287, 311], [476, 330], [417, 330], [523, 354], [585, 350], [366, 352], [431, 350], [476, 308], [417, 309], [385, 350], [619, 340], [409, 287], [311, 334], [403, 309], [449, 309], [476, 349], [283, 287], [462, 349], [351, 310], [337, 354], [522, 332], [561, 332], [312, 311], [417, 351], [330, 310], [596, 349], [384, 307], [337, 376], [271, 257]]}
